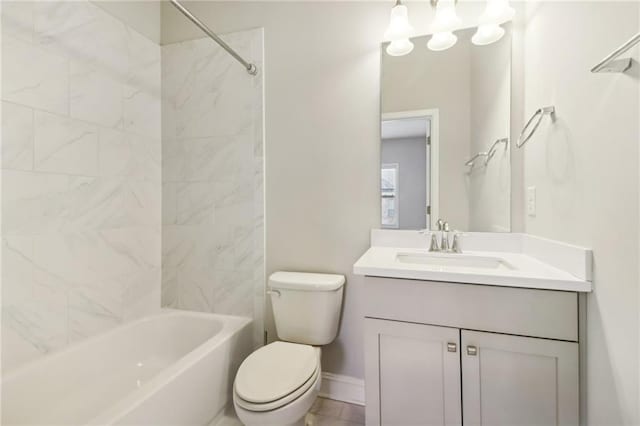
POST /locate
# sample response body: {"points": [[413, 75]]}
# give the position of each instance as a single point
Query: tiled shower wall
{"points": [[81, 179], [212, 178]]}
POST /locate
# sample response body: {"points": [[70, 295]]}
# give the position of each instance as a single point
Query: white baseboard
{"points": [[342, 388]]}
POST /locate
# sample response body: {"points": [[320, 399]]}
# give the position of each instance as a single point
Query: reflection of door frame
{"points": [[433, 115]]}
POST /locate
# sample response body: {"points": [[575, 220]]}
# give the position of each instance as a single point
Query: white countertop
{"points": [[528, 271]]}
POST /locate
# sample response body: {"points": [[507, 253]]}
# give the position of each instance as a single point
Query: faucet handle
{"points": [[434, 243], [440, 224], [445, 227], [456, 247]]}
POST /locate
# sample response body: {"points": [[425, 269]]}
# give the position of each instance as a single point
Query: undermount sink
{"points": [[442, 260]]}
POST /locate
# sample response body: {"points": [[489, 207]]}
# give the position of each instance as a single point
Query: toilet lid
{"points": [[274, 371]]}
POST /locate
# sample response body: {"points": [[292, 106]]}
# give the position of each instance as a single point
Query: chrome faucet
{"points": [[443, 244]]}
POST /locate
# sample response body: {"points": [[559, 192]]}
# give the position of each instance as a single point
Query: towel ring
{"points": [[540, 112]]}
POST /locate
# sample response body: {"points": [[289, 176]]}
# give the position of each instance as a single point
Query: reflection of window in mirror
{"points": [[389, 195]]}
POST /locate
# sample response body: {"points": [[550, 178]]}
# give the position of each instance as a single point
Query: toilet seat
{"points": [[275, 375]]}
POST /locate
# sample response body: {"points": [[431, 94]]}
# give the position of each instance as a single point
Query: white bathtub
{"points": [[174, 368]]}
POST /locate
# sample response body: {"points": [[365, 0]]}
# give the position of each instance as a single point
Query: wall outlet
{"points": [[531, 200]]}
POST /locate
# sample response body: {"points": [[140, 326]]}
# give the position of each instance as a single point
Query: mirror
{"points": [[445, 151]]}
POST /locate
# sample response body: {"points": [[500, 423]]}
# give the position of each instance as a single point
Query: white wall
{"points": [[585, 168], [80, 175]]}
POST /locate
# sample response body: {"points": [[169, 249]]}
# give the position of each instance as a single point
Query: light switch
{"points": [[531, 201]]}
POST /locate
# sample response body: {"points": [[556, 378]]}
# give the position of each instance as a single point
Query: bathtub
{"points": [[173, 368]]}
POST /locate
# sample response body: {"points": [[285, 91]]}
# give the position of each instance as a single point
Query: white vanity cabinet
{"points": [[448, 354]]}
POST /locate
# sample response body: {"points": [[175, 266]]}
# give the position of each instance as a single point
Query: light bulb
{"points": [[400, 47], [399, 31], [444, 23], [442, 41], [487, 34], [446, 19], [489, 30], [497, 12], [399, 27]]}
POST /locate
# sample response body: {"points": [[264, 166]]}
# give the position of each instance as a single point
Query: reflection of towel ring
{"points": [[524, 136], [488, 155]]}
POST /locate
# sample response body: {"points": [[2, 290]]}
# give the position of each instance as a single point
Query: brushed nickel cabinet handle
{"points": [[452, 347], [472, 350]]}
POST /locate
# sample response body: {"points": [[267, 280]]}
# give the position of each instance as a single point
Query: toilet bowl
{"points": [[278, 383]]}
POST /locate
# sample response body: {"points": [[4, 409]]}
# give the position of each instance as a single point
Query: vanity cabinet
{"points": [[514, 380], [416, 369], [449, 354]]}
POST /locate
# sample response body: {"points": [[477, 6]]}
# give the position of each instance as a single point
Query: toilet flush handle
{"points": [[273, 292]]}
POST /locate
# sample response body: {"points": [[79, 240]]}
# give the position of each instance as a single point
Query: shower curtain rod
{"points": [[251, 68]]}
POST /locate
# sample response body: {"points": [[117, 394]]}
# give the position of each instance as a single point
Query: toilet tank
{"points": [[306, 306]]}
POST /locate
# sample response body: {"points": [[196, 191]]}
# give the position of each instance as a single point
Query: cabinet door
{"points": [[412, 374], [513, 380]]}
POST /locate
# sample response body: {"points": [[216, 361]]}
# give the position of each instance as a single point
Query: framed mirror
{"points": [[445, 124]]}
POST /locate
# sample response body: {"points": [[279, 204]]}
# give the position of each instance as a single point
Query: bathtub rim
{"points": [[231, 325]]}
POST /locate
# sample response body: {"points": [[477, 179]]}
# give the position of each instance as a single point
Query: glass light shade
{"points": [[497, 12], [400, 47], [446, 19], [442, 41], [399, 27], [487, 34]]}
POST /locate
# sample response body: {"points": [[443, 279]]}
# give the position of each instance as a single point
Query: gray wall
{"points": [[411, 156]]}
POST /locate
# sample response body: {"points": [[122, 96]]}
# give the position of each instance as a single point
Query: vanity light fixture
{"points": [[399, 31], [444, 23], [489, 30]]}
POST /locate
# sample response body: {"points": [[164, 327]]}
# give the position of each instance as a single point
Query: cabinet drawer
{"points": [[526, 312]]}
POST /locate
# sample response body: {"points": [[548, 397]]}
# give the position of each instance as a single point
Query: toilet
{"points": [[278, 383]]}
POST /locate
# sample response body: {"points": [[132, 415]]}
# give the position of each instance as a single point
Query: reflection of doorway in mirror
{"points": [[389, 195], [409, 155]]}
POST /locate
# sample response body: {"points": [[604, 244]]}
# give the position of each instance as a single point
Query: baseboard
{"points": [[342, 388]]}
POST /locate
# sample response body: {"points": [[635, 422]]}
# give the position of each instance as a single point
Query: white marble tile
{"points": [[195, 292], [143, 294], [64, 145], [83, 32], [17, 269], [195, 203], [170, 203], [94, 309], [170, 289], [130, 155], [173, 160], [34, 203], [34, 77], [17, 19], [212, 116], [233, 292], [40, 321], [95, 95], [142, 96], [15, 349], [17, 137], [107, 203]]}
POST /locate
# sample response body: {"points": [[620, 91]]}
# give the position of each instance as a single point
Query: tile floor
{"points": [[324, 412]]}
